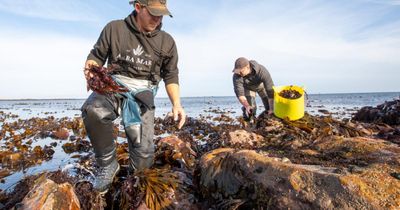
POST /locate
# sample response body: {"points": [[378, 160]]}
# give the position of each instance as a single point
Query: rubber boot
{"points": [[98, 114], [266, 104], [108, 168], [140, 141]]}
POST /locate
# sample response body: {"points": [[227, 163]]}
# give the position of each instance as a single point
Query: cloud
{"points": [[70, 10], [390, 2], [322, 46], [331, 46], [42, 66]]}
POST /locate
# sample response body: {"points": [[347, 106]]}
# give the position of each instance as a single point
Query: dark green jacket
{"points": [[259, 74], [150, 56]]}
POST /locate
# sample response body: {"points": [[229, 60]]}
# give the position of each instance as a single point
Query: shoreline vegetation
{"points": [[215, 162]]}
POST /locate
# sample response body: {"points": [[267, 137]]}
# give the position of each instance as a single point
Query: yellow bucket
{"points": [[292, 109]]}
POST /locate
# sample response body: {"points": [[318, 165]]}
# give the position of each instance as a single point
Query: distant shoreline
{"points": [[310, 94]]}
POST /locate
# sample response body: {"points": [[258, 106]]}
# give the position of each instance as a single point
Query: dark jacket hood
{"points": [[150, 56], [130, 20], [255, 67]]}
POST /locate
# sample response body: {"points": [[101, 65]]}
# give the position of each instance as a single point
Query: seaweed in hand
{"points": [[102, 82]]}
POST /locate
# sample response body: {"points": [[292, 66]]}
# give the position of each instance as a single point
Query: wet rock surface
{"points": [[388, 113], [244, 139], [46, 194], [383, 119], [317, 162], [259, 181]]}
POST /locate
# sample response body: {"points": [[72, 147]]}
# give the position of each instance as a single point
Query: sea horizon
{"points": [[165, 97]]}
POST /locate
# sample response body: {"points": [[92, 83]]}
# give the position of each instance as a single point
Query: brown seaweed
{"points": [[301, 141], [290, 94], [154, 187], [174, 151]]}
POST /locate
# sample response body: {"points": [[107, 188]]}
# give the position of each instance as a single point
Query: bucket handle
{"points": [[306, 102]]}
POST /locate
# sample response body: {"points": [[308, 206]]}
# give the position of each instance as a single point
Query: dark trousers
{"points": [[98, 113], [250, 93]]}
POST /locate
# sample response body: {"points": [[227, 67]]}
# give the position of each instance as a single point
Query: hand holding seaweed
{"points": [[102, 82]]}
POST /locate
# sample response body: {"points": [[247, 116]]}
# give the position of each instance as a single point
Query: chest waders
{"points": [[138, 119], [139, 128], [98, 113]]}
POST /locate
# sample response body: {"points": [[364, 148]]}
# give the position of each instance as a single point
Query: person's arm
{"points": [[239, 91], [101, 50], [98, 55], [245, 103], [177, 110], [170, 76], [266, 79]]}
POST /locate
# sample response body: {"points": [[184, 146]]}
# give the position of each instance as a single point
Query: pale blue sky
{"points": [[325, 46]]}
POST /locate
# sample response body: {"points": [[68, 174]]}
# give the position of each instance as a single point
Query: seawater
{"points": [[194, 106]]}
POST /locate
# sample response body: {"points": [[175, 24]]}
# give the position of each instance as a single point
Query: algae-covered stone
{"points": [[264, 181], [46, 194], [244, 139]]}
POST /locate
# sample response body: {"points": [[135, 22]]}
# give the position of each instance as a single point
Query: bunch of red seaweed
{"points": [[101, 82]]}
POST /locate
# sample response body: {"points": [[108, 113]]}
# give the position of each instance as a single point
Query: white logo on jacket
{"points": [[136, 58], [138, 51]]}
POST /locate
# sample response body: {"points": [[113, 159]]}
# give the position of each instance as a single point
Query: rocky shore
{"points": [[317, 162]]}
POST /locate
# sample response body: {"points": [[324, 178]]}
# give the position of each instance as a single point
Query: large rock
{"points": [[244, 139], [252, 180], [386, 132], [46, 194], [388, 112], [358, 151]]}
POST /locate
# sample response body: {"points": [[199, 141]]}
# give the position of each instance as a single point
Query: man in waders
{"points": [[250, 78], [144, 55]]}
